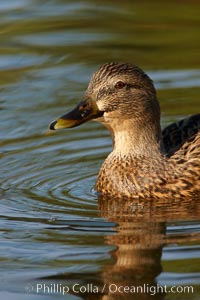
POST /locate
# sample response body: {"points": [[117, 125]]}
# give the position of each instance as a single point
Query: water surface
{"points": [[53, 228]]}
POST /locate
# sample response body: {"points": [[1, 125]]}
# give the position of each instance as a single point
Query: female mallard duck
{"points": [[144, 162]]}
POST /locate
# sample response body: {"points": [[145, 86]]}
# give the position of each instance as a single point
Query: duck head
{"points": [[121, 96]]}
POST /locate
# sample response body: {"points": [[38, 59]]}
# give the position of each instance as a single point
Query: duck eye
{"points": [[119, 85]]}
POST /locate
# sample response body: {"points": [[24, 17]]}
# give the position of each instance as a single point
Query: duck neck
{"points": [[136, 139]]}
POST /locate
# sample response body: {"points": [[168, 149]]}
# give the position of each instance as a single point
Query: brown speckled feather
{"points": [[145, 162], [173, 171], [176, 134]]}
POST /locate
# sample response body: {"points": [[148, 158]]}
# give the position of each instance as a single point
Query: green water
{"points": [[53, 229]]}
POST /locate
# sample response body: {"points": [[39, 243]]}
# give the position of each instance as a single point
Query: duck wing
{"points": [[183, 131]]}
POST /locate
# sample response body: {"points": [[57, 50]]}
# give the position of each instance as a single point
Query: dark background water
{"points": [[52, 228]]}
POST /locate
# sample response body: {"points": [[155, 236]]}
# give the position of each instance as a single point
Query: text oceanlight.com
{"points": [[62, 289]]}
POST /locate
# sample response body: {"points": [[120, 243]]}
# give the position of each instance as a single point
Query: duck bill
{"points": [[86, 110]]}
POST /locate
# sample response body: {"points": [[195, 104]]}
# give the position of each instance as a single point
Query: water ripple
{"points": [[62, 188]]}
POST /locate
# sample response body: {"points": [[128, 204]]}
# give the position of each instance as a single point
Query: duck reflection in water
{"points": [[139, 239]]}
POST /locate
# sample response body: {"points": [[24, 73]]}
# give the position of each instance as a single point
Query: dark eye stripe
{"points": [[121, 84], [134, 86]]}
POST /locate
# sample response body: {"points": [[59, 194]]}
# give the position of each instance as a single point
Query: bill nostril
{"points": [[83, 107]]}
